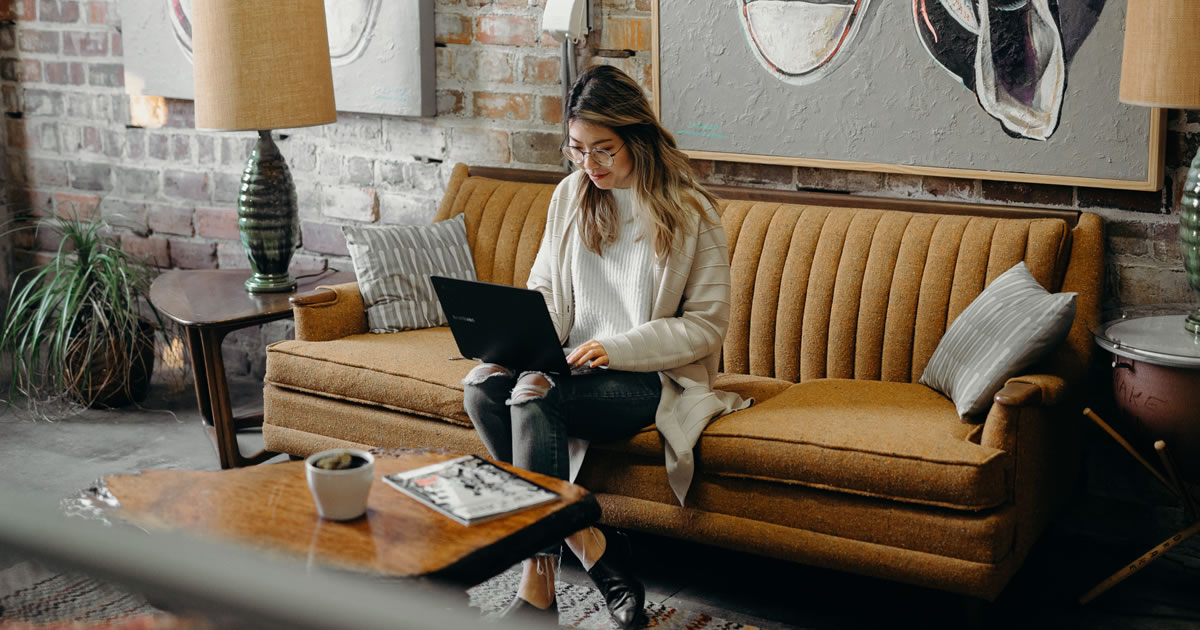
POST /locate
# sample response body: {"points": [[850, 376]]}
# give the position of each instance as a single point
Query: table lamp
{"points": [[262, 65], [1161, 68]]}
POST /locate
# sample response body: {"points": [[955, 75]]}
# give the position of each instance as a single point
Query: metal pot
{"points": [[1165, 402]]}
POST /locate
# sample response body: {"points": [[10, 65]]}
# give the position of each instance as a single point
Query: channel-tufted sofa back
{"points": [[505, 221], [821, 291]]}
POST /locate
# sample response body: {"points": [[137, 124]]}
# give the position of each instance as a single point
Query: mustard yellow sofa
{"points": [[845, 461]]}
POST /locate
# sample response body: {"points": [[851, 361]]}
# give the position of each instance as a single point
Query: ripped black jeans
{"points": [[525, 419]]}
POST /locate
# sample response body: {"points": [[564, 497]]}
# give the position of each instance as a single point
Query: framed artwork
{"points": [[381, 52], [1013, 90]]}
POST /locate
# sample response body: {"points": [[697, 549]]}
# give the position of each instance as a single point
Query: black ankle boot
{"points": [[623, 593], [531, 616]]}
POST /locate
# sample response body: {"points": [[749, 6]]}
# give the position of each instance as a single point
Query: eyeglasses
{"points": [[599, 156]]}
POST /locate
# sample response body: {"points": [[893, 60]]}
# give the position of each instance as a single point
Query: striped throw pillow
{"points": [[393, 265], [1013, 323]]}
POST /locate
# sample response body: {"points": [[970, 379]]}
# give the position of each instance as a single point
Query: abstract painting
{"points": [[381, 52], [1019, 90]]}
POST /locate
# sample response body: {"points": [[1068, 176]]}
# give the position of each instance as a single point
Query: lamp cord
{"points": [[325, 268]]}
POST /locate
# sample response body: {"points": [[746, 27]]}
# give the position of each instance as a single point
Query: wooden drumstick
{"points": [[1140, 563], [1189, 504], [1127, 446]]}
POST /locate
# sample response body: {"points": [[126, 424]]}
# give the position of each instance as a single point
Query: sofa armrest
{"points": [[1032, 389], [330, 312], [1034, 422], [1034, 393]]}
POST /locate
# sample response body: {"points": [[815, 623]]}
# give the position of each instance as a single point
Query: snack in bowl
{"points": [[340, 480], [339, 461]]}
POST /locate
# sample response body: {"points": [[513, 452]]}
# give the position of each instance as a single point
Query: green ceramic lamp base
{"points": [[1192, 322], [267, 218], [1189, 236], [270, 283]]}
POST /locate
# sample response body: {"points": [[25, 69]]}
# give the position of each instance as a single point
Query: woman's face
{"points": [[586, 137]]}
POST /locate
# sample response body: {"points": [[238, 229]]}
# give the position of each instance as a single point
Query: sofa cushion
{"points": [[393, 265], [900, 441], [412, 371], [1010, 326], [408, 371], [648, 442]]}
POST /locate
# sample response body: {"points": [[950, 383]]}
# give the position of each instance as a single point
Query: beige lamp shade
{"points": [[1160, 66], [261, 64]]}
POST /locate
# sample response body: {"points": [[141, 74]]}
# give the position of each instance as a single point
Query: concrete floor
{"points": [[1087, 543]]}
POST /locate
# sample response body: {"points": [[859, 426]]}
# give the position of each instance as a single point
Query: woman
{"points": [[635, 272]]}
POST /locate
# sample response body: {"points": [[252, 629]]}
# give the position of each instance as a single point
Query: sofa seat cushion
{"points": [[899, 441], [408, 371], [648, 442], [411, 371]]}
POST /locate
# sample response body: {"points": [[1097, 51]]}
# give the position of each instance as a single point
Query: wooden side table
{"points": [[210, 304], [1156, 382]]}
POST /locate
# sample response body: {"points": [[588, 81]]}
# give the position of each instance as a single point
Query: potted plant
{"points": [[80, 328]]}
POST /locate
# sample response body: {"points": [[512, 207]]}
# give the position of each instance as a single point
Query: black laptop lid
{"points": [[501, 324]]}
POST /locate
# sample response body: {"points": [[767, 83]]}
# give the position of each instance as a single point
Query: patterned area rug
{"points": [[35, 597], [582, 607], [32, 596]]}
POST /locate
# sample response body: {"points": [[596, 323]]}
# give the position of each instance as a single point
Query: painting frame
{"points": [[1154, 150]]}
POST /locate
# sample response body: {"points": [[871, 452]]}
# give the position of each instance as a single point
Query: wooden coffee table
{"points": [[269, 507]]}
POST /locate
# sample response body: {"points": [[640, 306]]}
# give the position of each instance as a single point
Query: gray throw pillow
{"points": [[1013, 323], [393, 265]]}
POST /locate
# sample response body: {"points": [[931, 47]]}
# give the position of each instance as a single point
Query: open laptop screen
{"points": [[501, 324]]}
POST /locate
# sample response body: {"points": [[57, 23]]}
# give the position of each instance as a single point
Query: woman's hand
{"points": [[589, 353]]}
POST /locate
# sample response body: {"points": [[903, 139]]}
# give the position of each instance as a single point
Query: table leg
{"points": [[199, 373], [249, 423], [218, 397], [224, 427]]}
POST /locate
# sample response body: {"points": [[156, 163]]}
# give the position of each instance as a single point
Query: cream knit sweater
{"points": [[614, 290], [682, 341]]}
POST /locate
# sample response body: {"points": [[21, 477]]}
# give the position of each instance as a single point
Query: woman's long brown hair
{"points": [[663, 176]]}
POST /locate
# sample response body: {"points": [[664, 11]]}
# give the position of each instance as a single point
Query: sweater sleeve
{"points": [[698, 330], [542, 274]]}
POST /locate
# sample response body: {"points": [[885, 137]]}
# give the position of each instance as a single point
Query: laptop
{"points": [[501, 324]]}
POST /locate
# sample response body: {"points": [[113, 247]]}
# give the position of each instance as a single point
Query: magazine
{"points": [[470, 489]]}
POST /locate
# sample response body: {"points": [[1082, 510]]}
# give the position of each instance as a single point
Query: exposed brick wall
{"points": [[68, 147]]}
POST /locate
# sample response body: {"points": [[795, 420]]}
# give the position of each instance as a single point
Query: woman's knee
{"points": [[486, 383], [530, 387], [484, 371], [485, 392], [533, 402]]}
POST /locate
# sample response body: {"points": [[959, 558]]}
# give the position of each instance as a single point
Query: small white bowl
{"points": [[340, 495]]}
